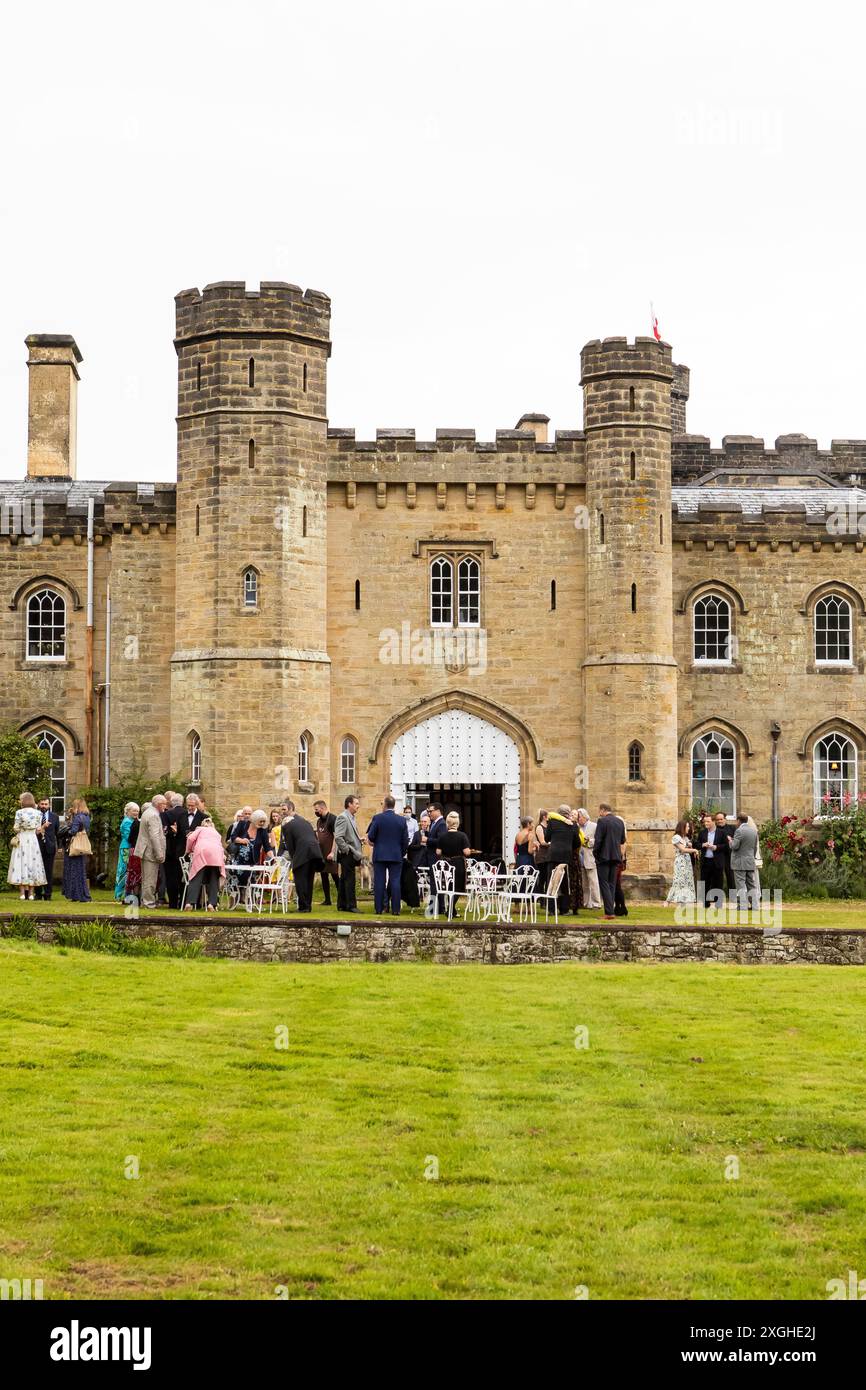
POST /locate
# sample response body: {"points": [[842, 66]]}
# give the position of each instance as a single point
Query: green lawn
{"points": [[826, 913], [305, 1168]]}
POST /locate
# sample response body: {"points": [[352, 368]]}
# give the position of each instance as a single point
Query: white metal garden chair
{"points": [[184, 862], [520, 890], [444, 875], [551, 893], [482, 896], [273, 884], [422, 873]]}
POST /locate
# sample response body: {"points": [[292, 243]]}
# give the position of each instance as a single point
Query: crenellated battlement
{"points": [[451, 439], [228, 309], [693, 456], [609, 357]]}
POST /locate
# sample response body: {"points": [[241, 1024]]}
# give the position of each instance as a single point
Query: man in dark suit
{"points": [[607, 849], [325, 823], [349, 853], [47, 833], [194, 814], [727, 834], [175, 821], [388, 835], [713, 845], [298, 843], [437, 828]]}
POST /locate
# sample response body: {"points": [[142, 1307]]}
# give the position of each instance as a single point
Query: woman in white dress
{"points": [[26, 868], [683, 887]]}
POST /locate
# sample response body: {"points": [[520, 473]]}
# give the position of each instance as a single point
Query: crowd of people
{"points": [[333, 848], [719, 862], [717, 859]]}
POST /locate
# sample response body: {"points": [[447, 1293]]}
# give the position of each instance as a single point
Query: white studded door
{"points": [[457, 747]]}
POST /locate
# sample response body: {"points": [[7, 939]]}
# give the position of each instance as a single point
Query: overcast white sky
{"points": [[480, 187]]}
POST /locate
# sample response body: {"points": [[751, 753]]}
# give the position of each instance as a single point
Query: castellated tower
{"points": [[250, 670], [630, 675]]}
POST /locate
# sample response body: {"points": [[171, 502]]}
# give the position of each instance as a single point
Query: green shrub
{"points": [[88, 936], [103, 936], [24, 928]]}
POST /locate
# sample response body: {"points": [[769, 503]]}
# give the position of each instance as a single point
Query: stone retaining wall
{"points": [[260, 939]]}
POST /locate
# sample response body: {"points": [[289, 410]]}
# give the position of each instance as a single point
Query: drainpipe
{"points": [[775, 731], [106, 775], [88, 660]]}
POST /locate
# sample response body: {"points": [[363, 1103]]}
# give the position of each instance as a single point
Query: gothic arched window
{"points": [[468, 592], [56, 749], [833, 630], [714, 772], [46, 626], [251, 587], [441, 592], [712, 629], [348, 760], [834, 765]]}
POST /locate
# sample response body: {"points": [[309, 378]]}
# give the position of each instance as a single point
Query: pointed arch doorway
{"points": [[470, 766]]}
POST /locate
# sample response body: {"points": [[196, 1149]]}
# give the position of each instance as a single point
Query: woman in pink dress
{"points": [[207, 867]]}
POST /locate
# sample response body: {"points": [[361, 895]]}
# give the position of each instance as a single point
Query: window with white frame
{"points": [[834, 763], [46, 626], [712, 629], [833, 631], [468, 592], [56, 749], [251, 588], [450, 573], [195, 757], [304, 758], [714, 772], [348, 760], [441, 592]]}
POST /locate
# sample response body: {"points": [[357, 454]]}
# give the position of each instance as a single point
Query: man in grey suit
{"points": [[150, 848], [349, 853], [744, 846]]}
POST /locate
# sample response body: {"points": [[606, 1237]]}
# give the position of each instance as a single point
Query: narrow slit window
{"points": [[251, 589], [357, 595], [195, 757], [305, 376], [251, 453], [631, 398], [661, 530], [553, 595], [198, 376], [635, 762], [304, 758], [197, 519], [251, 372], [634, 598], [632, 467], [303, 521], [601, 528]]}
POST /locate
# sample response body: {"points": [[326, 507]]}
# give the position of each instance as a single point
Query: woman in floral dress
{"points": [[683, 887], [26, 869]]}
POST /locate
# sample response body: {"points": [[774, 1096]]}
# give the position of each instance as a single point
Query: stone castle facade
{"points": [[619, 613]]}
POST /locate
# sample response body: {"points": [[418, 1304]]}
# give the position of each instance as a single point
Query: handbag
{"points": [[80, 844], [15, 842]]}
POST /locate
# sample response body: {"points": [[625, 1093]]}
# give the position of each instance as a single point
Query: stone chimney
{"points": [[537, 424], [53, 414]]}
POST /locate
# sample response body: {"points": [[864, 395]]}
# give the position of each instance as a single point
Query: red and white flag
{"points": [[655, 323]]}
